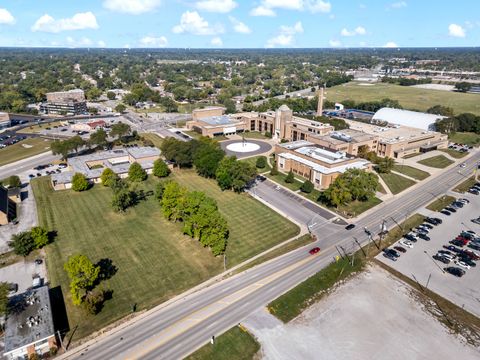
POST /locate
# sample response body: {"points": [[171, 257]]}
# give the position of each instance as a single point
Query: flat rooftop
{"points": [[390, 135], [347, 135], [317, 152], [30, 320], [219, 120]]}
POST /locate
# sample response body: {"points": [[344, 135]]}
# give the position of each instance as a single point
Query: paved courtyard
{"points": [[372, 316], [22, 273], [417, 263], [264, 147]]}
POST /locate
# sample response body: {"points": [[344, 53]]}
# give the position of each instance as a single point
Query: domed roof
{"points": [[284, 108]]}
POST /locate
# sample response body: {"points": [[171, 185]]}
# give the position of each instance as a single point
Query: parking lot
{"points": [[418, 264], [22, 274]]}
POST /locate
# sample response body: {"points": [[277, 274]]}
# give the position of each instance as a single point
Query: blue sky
{"points": [[239, 23]]}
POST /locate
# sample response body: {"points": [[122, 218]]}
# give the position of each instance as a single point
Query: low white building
{"points": [[409, 118]]}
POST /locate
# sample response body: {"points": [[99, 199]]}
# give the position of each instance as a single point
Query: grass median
{"points": [[235, 344], [454, 153], [440, 203], [411, 171], [397, 183], [465, 185]]}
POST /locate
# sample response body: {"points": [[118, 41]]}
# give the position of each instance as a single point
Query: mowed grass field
{"points": [[411, 171], [23, 149], [253, 226], [155, 261], [409, 97], [396, 183], [438, 162]]}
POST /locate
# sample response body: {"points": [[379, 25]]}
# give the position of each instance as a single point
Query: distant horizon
{"points": [[254, 24]]}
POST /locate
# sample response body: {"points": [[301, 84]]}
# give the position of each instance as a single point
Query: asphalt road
{"points": [[179, 328], [24, 167]]}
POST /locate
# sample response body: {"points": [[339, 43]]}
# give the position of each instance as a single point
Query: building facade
{"points": [[8, 205], [65, 103], [316, 163]]}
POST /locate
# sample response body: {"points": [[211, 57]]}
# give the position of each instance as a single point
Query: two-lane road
{"points": [[175, 330]]}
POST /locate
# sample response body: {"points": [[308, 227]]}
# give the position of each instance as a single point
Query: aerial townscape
{"points": [[239, 180]]}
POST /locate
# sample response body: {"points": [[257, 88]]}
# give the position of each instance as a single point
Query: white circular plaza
{"points": [[240, 147]]}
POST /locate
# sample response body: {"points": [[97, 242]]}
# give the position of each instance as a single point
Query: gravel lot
{"points": [[372, 316], [415, 263]]}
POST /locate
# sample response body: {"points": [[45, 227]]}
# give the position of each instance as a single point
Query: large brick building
{"points": [[70, 102]]}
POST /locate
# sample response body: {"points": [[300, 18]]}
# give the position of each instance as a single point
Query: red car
{"points": [[314, 250], [462, 239]]}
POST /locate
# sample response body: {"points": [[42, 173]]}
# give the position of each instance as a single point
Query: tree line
{"points": [[210, 161], [199, 213]]}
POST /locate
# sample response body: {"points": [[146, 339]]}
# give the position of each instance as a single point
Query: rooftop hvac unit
{"points": [[341, 136]]}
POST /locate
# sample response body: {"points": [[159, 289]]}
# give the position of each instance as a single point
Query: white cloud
{"points": [[153, 42], [398, 5], [359, 30], [239, 26], [319, 6], [456, 30], [390, 44], [6, 17], [82, 42], [216, 41], [362, 44], [262, 11], [267, 7], [79, 21], [191, 22], [134, 7], [101, 43], [286, 36], [335, 43], [219, 6]]}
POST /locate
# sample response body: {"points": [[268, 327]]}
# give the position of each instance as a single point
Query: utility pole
{"points": [[361, 248], [339, 251], [346, 255]]}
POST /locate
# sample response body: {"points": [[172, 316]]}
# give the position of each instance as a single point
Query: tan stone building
{"points": [[70, 102], [397, 141], [316, 163], [349, 141], [8, 204]]}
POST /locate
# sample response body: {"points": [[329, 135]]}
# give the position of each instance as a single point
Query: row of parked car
{"points": [[418, 233], [456, 253], [454, 207], [47, 172], [475, 189], [8, 140]]}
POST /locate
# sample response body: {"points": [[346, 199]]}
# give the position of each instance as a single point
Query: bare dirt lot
{"points": [[372, 316]]}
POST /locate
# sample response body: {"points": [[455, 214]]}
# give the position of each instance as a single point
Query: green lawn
{"points": [[23, 149], [254, 135], [411, 171], [438, 162], [253, 161], [409, 97], [356, 207], [454, 153], [409, 156], [396, 183], [468, 138], [280, 179], [155, 261], [465, 185], [235, 344], [157, 140], [253, 226], [440, 203]]}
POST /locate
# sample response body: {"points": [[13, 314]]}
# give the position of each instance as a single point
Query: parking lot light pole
{"points": [[426, 253], [466, 226]]}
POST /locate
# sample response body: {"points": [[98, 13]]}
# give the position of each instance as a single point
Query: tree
{"points": [[385, 165], [307, 187], [75, 142], [39, 236], [60, 148], [93, 301], [178, 152], [234, 174], [14, 181], [123, 199], [120, 129], [93, 93], [99, 138], [261, 162], [22, 243], [463, 86], [111, 95], [108, 177], [441, 110], [172, 201], [207, 155], [160, 168], [83, 275], [274, 170], [289, 179], [93, 110], [4, 290], [120, 108], [136, 173], [80, 182]]}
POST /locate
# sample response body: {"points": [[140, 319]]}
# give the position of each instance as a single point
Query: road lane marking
{"points": [[159, 339]]}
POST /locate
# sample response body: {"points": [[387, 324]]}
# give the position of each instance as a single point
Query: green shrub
{"points": [[307, 187]]}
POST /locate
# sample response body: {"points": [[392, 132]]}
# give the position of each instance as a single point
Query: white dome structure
{"points": [[409, 118]]}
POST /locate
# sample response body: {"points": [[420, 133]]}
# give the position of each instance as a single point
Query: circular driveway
{"points": [[263, 148]]}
